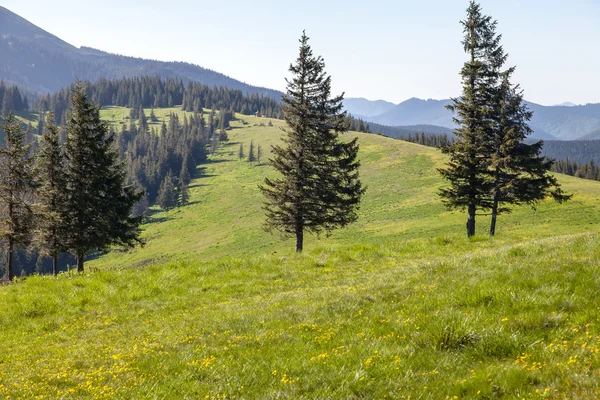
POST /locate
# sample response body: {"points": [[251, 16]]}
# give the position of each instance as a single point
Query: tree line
{"points": [[589, 170], [70, 197], [162, 162], [154, 92], [580, 151], [11, 99]]}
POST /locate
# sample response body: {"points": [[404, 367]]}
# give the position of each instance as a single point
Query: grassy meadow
{"points": [[400, 305]]}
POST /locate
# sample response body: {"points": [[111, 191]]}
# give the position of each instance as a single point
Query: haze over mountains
{"points": [[41, 62], [555, 122]]}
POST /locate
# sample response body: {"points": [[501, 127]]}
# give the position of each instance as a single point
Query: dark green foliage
{"points": [[167, 197], [149, 155], [98, 203], [11, 99], [142, 120], [148, 92], [51, 178], [578, 151], [223, 136], [251, 155], [241, 152], [153, 117], [16, 190], [468, 167], [588, 170], [319, 189], [491, 166], [429, 140], [258, 153], [184, 176], [519, 172], [184, 196]]}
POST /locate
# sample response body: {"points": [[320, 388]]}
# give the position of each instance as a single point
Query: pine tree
{"points": [[258, 153], [8, 101], [468, 167], [241, 152], [251, 155], [51, 178], [184, 195], [184, 175], [153, 117], [320, 189], [98, 203], [16, 190], [167, 198], [223, 136], [520, 173], [142, 120]]}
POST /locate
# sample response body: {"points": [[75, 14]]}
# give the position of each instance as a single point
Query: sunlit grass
{"points": [[398, 305]]}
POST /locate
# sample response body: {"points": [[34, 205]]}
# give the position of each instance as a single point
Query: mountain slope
{"points": [[38, 60], [362, 108], [417, 112], [594, 135], [401, 203], [548, 123], [566, 123]]}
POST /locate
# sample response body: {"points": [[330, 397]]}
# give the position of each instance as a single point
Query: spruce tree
{"points": [[167, 197], [184, 175], [98, 202], [142, 120], [16, 190], [468, 167], [519, 172], [320, 188], [51, 178], [184, 195], [241, 152], [258, 153], [251, 155]]}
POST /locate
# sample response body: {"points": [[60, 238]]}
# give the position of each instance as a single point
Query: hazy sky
{"points": [[390, 50]]}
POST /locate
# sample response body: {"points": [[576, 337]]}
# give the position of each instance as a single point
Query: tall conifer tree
{"points": [[519, 172], [98, 202], [468, 168], [320, 188], [251, 155], [258, 153], [167, 198], [16, 190], [51, 178]]}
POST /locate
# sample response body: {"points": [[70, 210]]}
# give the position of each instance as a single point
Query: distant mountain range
{"points": [[549, 123], [39, 61]]}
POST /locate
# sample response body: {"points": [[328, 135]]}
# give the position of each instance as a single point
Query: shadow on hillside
{"points": [[219, 161], [152, 220]]}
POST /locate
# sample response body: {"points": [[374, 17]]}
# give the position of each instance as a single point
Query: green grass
{"points": [[399, 305]]}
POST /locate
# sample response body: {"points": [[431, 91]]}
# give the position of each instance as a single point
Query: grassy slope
{"points": [[225, 217], [399, 305]]}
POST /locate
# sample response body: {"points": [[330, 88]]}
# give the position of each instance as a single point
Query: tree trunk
{"points": [[299, 239], [493, 225], [471, 221], [494, 215], [55, 264], [9, 267], [80, 263]]}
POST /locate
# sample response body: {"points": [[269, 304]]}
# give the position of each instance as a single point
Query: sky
{"points": [[391, 50]]}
